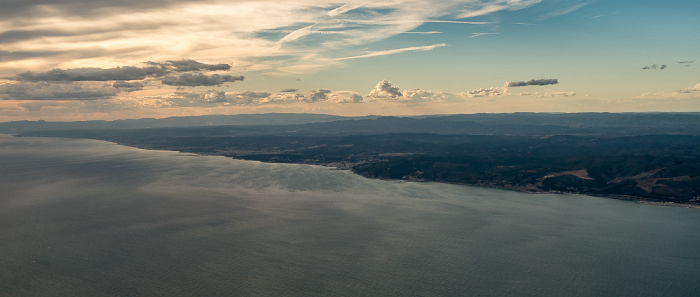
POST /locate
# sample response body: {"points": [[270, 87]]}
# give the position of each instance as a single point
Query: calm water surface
{"points": [[90, 218]]}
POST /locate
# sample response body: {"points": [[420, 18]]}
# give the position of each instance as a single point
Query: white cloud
{"points": [[106, 34], [482, 34], [556, 94], [686, 93], [384, 89], [418, 96], [345, 97], [486, 92], [395, 51]]}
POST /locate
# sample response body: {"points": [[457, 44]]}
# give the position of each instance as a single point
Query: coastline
{"points": [[349, 167]]}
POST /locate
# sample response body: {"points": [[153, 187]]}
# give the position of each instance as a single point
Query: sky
{"points": [[65, 60]]}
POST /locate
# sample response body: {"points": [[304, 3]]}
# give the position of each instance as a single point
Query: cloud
{"points": [[37, 106], [91, 74], [47, 91], [488, 7], [194, 80], [103, 33], [555, 94], [343, 9], [384, 89], [318, 95], [213, 96], [345, 97], [569, 9], [296, 34], [532, 82], [289, 90], [426, 32], [420, 96], [130, 86], [686, 93], [482, 34], [692, 89], [486, 92], [395, 51], [219, 98], [685, 63], [187, 65], [655, 67]]}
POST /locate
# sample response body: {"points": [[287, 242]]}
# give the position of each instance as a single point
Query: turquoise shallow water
{"points": [[90, 218]]}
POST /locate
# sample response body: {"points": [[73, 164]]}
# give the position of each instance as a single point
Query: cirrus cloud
{"points": [[105, 34]]}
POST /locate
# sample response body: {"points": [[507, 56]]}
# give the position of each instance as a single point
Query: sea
{"points": [[92, 218]]}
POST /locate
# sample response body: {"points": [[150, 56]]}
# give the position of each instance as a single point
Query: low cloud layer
{"points": [[190, 65], [486, 92], [58, 92], [129, 86], [195, 80], [91, 74], [532, 82], [105, 83], [690, 90]]}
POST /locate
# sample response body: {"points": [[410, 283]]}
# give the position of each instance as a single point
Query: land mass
{"points": [[651, 157]]}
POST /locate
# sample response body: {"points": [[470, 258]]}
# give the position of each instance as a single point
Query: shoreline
{"points": [[346, 167]]}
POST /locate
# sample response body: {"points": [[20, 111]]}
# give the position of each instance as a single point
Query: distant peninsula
{"points": [[650, 157]]}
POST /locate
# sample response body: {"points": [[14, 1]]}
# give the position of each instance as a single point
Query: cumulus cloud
{"points": [[318, 95], [345, 97], [248, 97], [213, 96], [91, 74], [418, 96], [47, 91], [486, 92], [218, 98], [384, 89], [194, 80], [532, 82]]}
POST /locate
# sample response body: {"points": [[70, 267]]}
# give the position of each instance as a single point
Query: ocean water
{"points": [[91, 218]]}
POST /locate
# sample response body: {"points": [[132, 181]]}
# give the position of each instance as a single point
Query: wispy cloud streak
{"points": [[395, 51]]}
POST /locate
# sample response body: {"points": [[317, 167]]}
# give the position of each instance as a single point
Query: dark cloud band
{"points": [[190, 65], [91, 74], [533, 82]]}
